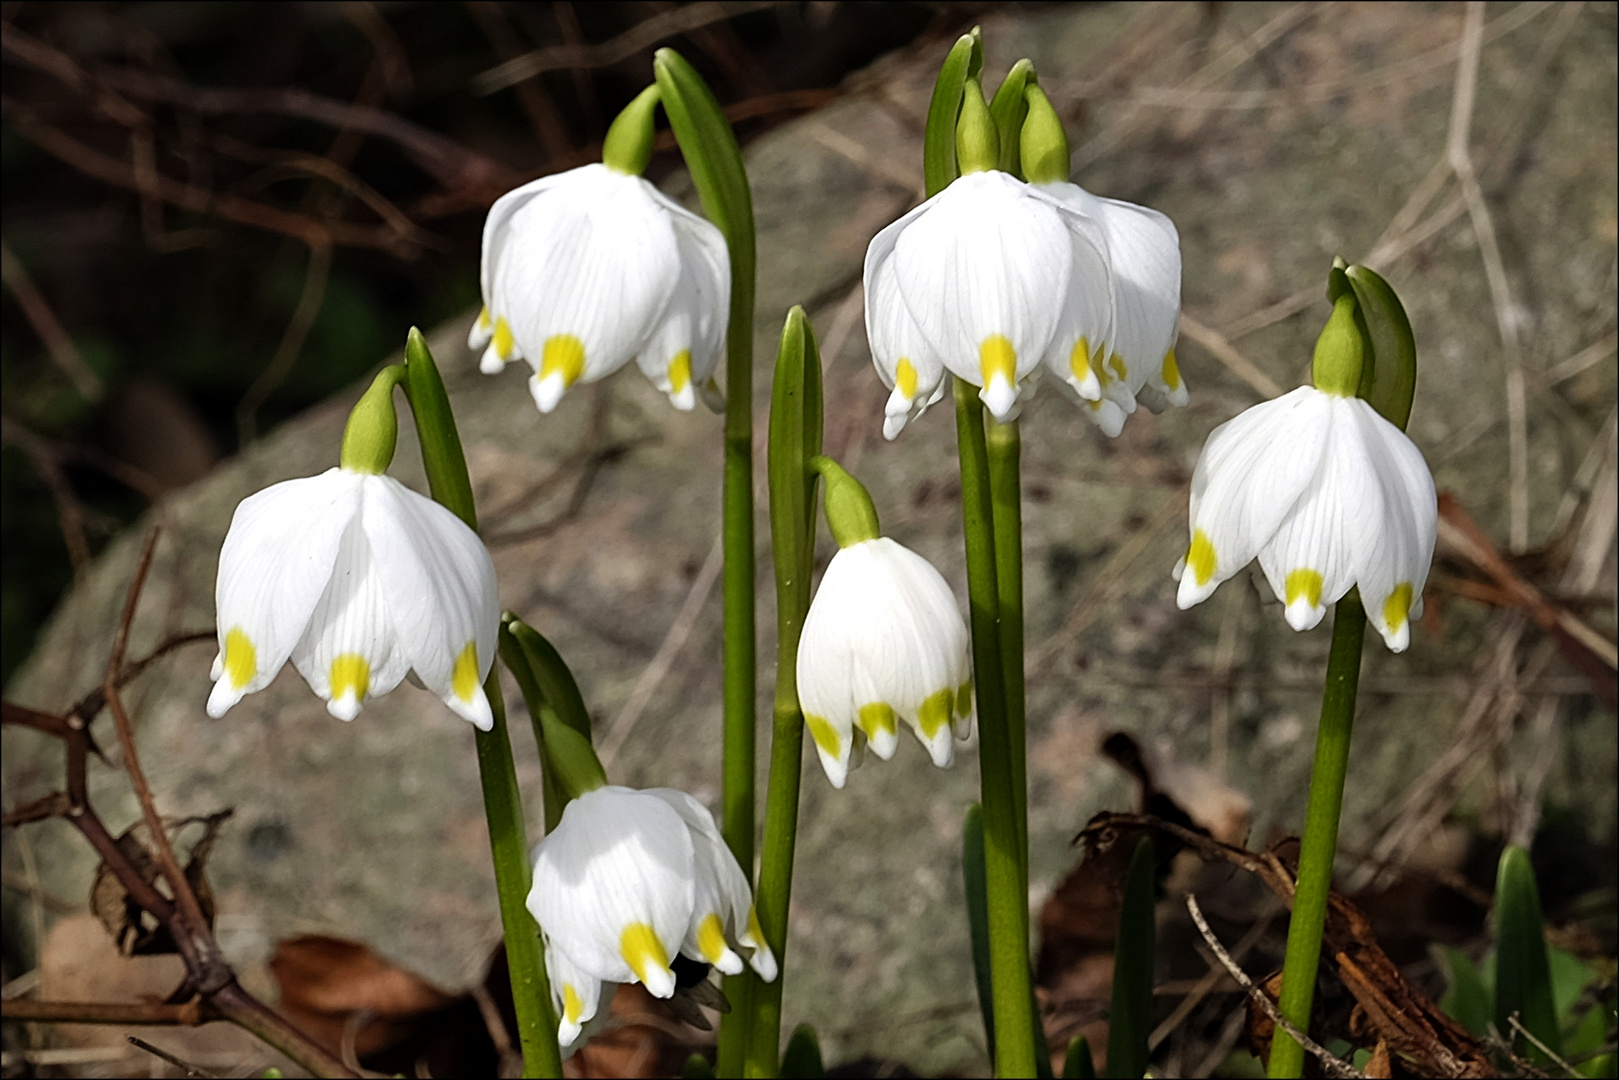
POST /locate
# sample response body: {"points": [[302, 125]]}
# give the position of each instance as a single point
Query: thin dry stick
{"points": [[1517, 1025], [148, 1013], [1588, 357], [1238, 364], [185, 1067], [658, 668], [57, 341], [641, 36], [292, 342], [1330, 1064], [1206, 984]]}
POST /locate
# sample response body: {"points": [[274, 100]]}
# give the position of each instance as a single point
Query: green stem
{"points": [[531, 996], [794, 439], [1320, 844], [1007, 899], [1005, 446]]}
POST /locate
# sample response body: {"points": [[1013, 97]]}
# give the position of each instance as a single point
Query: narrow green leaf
{"points": [[1523, 984], [1134, 954], [1394, 347], [802, 1058], [566, 751], [1570, 977], [1079, 1065], [556, 681], [442, 456], [697, 1067], [1467, 999], [1008, 109], [711, 153], [964, 61], [973, 874]]}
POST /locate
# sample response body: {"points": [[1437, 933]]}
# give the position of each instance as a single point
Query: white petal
{"points": [[1312, 560], [1253, 470], [1394, 570], [587, 272], [350, 651], [985, 273], [905, 361], [1086, 327], [440, 588], [575, 994], [275, 563], [497, 233], [722, 914], [684, 348], [614, 886]]}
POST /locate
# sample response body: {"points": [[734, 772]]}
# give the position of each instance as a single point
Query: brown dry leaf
{"points": [[1380, 1066], [135, 930]]}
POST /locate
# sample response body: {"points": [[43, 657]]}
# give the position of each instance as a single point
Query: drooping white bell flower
{"points": [[359, 580], [1324, 490], [577, 996], [627, 880], [588, 269], [1144, 249], [987, 280]]}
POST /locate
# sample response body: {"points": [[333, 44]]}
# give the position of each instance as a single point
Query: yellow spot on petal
{"points": [[504, 344], [564, 355], [997, 357], [350, 674], [1120, 368], [711, 938], [464, 679], [1397, 607], [1079, 361], [483, 319], [934, 714], [641, 949], [825, 735], [875, 718], [756, 935], [1200, 558], [905, 378], [679, 371], [572, 1007], [241, 658], [1103, 375], [964, 698], [1304, 584], [1171, 371]]}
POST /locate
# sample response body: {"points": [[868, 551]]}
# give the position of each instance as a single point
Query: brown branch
{"points": [[45, 323], [55, 804], [192, 1014], [89, 706], [1330, 1065], [186, 1068]]}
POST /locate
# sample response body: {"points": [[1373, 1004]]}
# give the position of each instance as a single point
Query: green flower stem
{"points": [[1320, 844], [1005, 445], [1007, 898], [449, 483], [795, 438]]}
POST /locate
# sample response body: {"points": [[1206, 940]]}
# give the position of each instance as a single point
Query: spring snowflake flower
{"points": [[587, 269], [627, 880], [359, 580], [1329, 495], [883, 641]]}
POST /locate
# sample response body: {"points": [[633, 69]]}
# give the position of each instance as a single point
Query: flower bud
{"points": [[1044, 144], [1340, 351], [978, 145], [628, 146], [849, 510], [372, 430]]}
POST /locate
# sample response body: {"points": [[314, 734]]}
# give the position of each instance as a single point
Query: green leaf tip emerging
{"points": [[628, 146]]}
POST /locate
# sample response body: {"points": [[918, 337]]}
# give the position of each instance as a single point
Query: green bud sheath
{"points": [[1044, 143], [628, 146], [373, 427], [1340, 351], [978, 146], [849, 510]]}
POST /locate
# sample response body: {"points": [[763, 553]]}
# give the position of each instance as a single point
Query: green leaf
{"points": [[1570, 977], [1467, 998], [802, 1058], [977, 883], [1393, 363], [1078, 1064], [964, 61], [556, 681], [1134, 954], [1008, 109], [569, 759], [794, 439], [697, 1067], [1523, 982], [442, 457]]}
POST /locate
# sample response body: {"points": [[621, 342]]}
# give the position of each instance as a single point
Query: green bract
{"points": [[372, 430], [628, 146], [849, 510], [1340, 351]]}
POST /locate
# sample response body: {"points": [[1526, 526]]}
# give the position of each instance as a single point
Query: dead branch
{"points": [[191, 1014]]}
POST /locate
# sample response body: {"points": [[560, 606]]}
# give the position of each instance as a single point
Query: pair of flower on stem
{"points": [[359, 581]]}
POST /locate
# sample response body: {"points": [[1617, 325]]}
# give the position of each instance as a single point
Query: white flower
{"points": [[584, 270], [993, 276], [626, 881], [883, 641], [359, 580], [1329, 495], [1144, 249], [577, 996]]}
